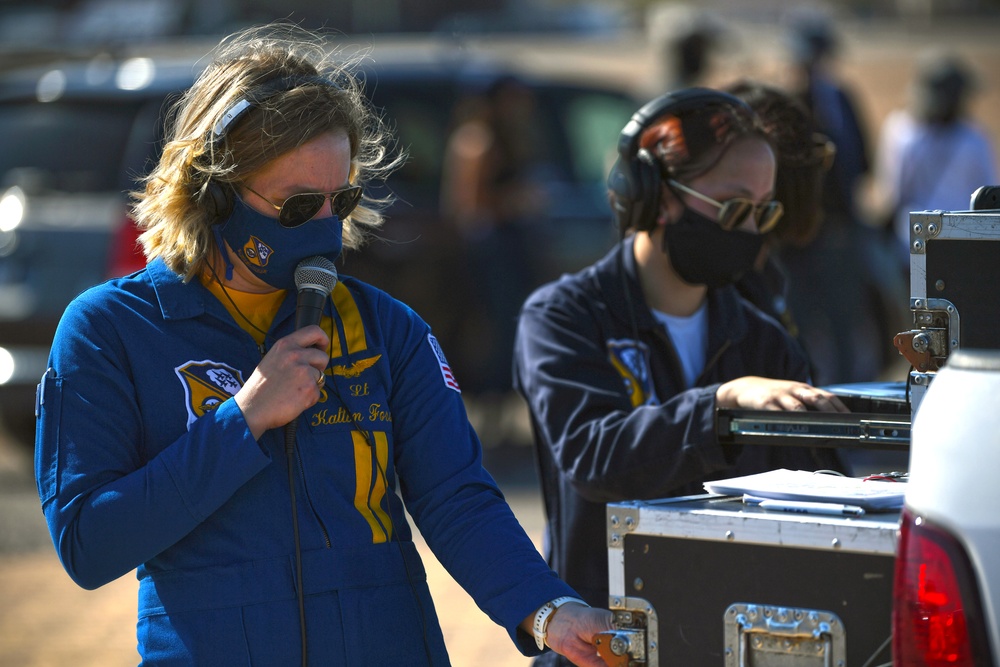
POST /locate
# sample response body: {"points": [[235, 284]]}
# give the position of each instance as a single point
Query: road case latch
{"points": [[632, 641], [767, 636]]}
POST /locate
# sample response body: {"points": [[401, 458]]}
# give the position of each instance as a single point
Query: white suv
{"points": [[947, 589]]}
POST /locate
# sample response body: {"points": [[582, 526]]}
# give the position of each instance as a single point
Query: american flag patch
{"points": [[449, 377]]}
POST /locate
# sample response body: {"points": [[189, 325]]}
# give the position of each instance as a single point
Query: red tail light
{"points": [[125, 255], [937, 618]]}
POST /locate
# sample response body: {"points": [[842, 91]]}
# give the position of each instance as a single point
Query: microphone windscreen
{"points": [[315, 278], [316, 273]]}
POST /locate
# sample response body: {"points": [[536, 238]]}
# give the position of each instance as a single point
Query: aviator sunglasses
{"points": [[302, 207], [733, 212]]}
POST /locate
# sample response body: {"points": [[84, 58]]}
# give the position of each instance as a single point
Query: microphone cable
{"points": [[291, 429], [318, 269]]}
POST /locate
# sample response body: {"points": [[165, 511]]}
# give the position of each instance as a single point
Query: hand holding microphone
{"points": [[290, 377]]}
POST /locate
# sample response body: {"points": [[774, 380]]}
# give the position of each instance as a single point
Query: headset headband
{"points": [[673, 104], [259, 94]]}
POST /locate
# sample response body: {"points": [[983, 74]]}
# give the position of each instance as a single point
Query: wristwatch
{"points": [[542, 616]]}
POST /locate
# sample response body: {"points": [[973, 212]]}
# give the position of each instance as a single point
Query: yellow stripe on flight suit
{"points": [[354, 328], [370, 489], [369, 473]]}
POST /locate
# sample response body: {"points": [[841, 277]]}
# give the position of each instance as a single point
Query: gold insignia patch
{"points": [[357, 368]]}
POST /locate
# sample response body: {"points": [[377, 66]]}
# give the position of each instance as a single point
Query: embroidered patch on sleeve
{"points": [[206, 385], [449, 377], [631, 359]]}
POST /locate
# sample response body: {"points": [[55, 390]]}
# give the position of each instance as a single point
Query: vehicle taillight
{"points": [[937, 618], [125, 254]]}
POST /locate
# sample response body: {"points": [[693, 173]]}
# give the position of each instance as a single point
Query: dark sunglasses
{"points": [[733, 212], [302, 207]]}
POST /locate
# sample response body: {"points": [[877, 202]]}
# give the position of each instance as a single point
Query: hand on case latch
{"points": [[621, 648]]}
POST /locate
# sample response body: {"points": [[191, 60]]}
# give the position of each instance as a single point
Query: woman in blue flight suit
{"points": [[162, 443]]}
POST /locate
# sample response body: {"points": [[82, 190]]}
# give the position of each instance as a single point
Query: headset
{"points": [[635, 179], [217, 198]]}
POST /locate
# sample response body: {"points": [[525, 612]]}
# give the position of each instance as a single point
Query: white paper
{"points": [[783, 484]]}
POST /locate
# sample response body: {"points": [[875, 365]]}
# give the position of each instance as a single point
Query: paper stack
{"points": [[785, 484]]}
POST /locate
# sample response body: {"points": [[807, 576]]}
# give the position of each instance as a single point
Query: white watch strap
{"points": [[541, 623]]}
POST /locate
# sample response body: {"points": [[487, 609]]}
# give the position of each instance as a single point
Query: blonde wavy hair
{"points": [[320, 94]]}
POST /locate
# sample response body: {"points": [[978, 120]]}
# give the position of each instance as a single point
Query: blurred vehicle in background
{"points": [[947, 584], [75, 136], [71, 137]]}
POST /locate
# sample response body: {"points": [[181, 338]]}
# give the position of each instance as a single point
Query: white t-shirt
{"points": [[690, 337]]}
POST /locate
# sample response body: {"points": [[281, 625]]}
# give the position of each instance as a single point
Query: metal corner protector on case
{"points": [[954, 270]]}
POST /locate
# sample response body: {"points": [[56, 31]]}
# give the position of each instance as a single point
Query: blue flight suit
{"points": [[144, 461]]}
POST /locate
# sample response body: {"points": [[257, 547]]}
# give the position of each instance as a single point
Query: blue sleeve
{"points": [[608, 449], [454, 502], [108, 508]]}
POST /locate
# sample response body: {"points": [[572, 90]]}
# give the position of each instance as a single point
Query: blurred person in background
{"points": [[624, 364], [492, 192], [802, 157], [814, 46], [931, 154], [245, 459], [844, 291], [687, 39]]}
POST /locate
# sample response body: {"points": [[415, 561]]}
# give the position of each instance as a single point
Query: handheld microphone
{"points": [[315, 278]]}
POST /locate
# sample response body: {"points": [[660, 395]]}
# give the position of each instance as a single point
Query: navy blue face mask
{"points": [[271, 251]]}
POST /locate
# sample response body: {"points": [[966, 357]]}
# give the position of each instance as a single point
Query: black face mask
{"points": [[703, 253]]}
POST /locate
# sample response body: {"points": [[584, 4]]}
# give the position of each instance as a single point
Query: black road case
{"points": [[709, 581]]}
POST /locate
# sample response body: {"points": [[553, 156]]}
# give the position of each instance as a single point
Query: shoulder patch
{"points": [[449, 377], [206, 385], [631, 359]]}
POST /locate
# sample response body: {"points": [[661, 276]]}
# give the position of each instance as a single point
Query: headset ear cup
{"points": [[635, 184], [622, 187], [217, 200], [647, 175]]}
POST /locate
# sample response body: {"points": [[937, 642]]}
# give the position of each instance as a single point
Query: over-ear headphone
{"points": [[217, 198], [635, 179]]}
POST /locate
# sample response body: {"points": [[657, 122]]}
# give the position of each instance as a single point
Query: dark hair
{"points": [[940, 88], [802, 155]]}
